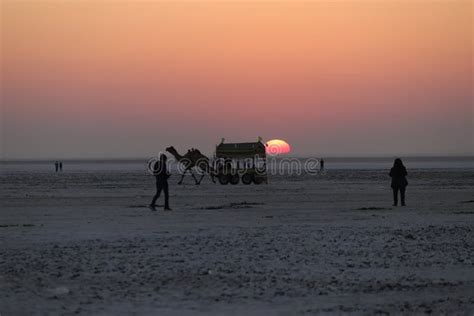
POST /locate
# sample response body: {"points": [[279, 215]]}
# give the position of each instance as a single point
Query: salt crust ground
{"points": [[84, 243]]}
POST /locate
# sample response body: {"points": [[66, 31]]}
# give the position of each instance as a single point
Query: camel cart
{"points": [[234, 162]]}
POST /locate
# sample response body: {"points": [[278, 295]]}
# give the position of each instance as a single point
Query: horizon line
{"points": [[381, 156]]}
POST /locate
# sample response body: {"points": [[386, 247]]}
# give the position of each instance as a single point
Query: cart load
{"points": [[235, 162]]}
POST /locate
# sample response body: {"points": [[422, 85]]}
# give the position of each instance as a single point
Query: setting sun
{"points": [[277, 147]]}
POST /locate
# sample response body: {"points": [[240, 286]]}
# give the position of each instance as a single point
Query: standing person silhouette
{"points": [[321, 164], [56, 164], [61, 166], [161, 174], [398, 174]]}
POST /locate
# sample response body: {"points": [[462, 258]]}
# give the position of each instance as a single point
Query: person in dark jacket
{"points": [[161, 174], [399, 181]]}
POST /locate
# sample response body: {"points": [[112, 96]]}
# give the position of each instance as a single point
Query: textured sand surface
{"points": [[85, 243]]}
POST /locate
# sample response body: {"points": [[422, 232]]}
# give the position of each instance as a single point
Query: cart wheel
{"points": [[258, 180], [234, 179], [223, 179], [247, 178]]}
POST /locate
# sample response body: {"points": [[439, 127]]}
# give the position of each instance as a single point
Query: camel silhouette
{"points": [[193, 159]]}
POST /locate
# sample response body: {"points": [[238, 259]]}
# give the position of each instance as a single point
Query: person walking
{"points": [[398, 174], [161, 174]]}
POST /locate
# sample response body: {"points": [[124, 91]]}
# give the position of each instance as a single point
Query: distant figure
{"points": [[399, 181], [161, 174], [321, 164], [56, 164], [61, 166]]}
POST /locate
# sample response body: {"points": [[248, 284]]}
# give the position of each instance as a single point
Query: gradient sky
{"points": [[106, 78]]}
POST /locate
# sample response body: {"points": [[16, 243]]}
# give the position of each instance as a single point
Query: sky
{"points": [[120, 79]]}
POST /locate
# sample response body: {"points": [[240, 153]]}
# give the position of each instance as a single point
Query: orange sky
{"points": [[112, 78]]}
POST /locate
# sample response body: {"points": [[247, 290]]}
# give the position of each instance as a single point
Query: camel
{"points": [[193, 158]]}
